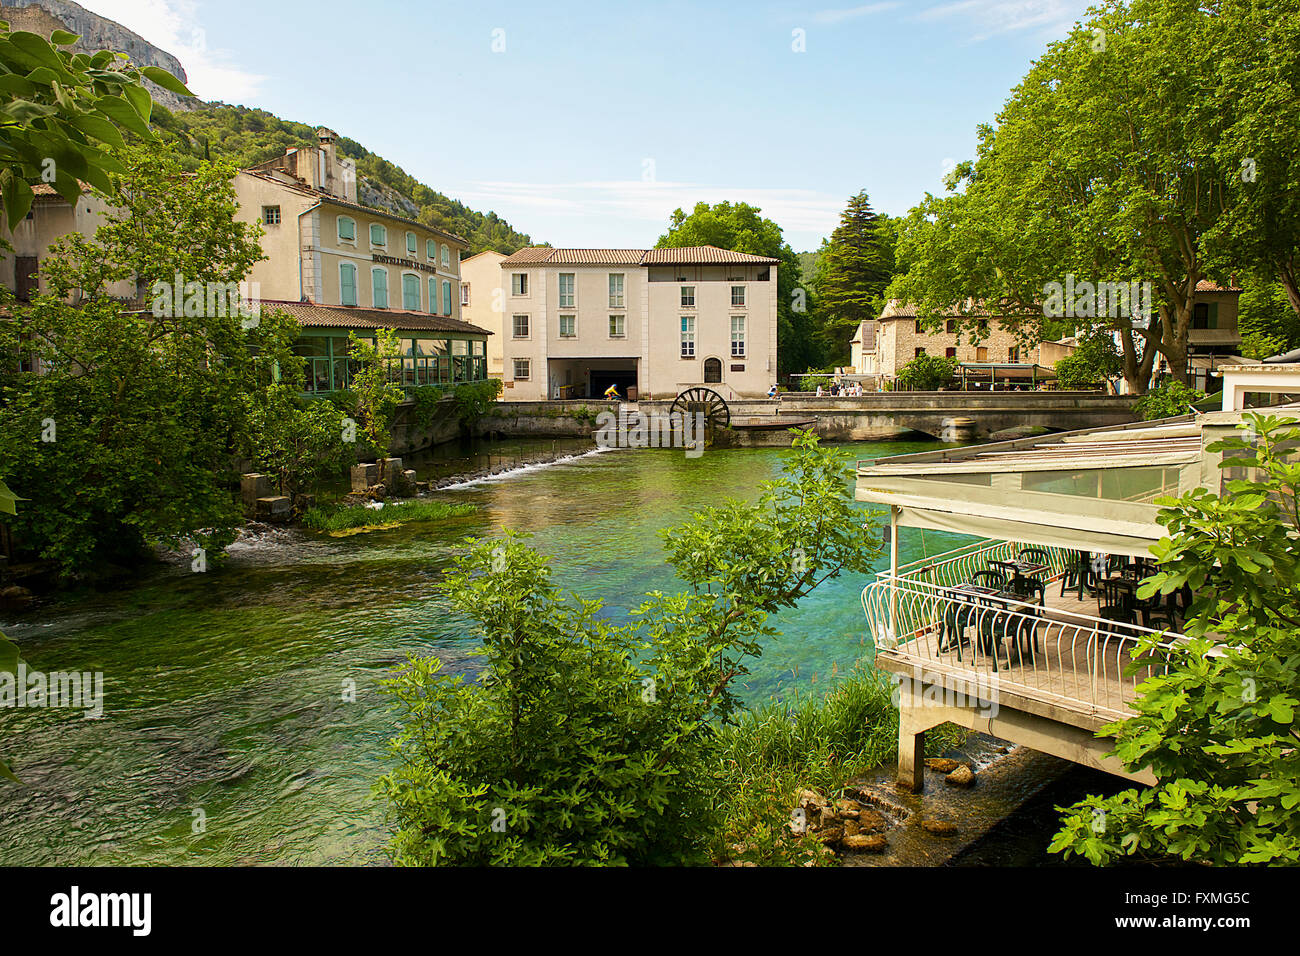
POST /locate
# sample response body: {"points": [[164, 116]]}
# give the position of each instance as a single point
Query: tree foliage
{"points": [[587, 742], [927, 373], [1216, 725], [376, 392], [1094, 361], [853, 270], [62, 112], [121, 424]]}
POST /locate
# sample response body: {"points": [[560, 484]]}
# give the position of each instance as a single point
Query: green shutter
{"points": [[411, 293], [433, 294], [348, 284], [1213, 322], [379, 288], [446, 297]]}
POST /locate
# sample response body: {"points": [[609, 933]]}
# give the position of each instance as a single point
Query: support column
{"points": [[911, 736]]}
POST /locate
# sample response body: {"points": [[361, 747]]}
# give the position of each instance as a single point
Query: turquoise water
{"points": [[227, 738]]}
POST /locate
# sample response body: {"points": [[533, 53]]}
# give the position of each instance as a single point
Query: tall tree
{"points": [[853, 270], [1091, 170], [739, 227]]}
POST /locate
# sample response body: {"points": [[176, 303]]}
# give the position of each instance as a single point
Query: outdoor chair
{"points": [[1036, 555], [1115, 604], [958, 617], [1078, 574]]}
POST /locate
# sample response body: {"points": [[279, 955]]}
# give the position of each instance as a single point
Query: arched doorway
{"points": [[712, 371]]}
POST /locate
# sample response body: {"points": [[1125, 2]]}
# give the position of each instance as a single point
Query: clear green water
{"points": [[224, 690]]}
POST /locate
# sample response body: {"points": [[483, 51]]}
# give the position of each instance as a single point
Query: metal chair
{"points": [[1115, 603], [1037, 555], [960, 616]]}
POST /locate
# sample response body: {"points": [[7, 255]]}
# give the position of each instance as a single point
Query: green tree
{"points": [[1169, 398], [301, 441], [1216, 724], [1251, 123], [741, 228], [1094, 361], [853, 270], [1266, 320], [926, 373], [61, 112], [374, 388], [127, 433], [585, 742], [1091, 171]]}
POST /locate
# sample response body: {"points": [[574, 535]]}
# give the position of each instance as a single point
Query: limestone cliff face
{"points": [[97, 33]]}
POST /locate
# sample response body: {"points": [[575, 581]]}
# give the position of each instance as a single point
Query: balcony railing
{"points": [[1054, 654]]}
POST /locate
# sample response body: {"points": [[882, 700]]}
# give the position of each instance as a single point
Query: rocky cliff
{"points": [[97, 33]]}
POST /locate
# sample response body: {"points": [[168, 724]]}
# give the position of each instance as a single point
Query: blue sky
{"points": [[596, 120]]}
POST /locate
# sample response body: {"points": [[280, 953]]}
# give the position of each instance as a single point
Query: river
{"points": [[227, 736]]}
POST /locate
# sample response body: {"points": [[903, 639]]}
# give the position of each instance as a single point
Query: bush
{"points": [[589, 743], [927, 373], [1166, 400]]}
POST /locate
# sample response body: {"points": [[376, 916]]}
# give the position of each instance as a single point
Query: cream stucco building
{"points": [[482, 303], [652, 322]]}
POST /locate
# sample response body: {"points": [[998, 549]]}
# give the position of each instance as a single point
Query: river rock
{"points": [[831, 835], [16, 596], [810, 798], [942, 764], [875, 843], [871, 820], [848, 809], [963, 777], [852, 828], [939, 827]]}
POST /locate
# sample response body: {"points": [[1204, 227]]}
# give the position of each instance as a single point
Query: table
{"points": [[1022, 570], [958, 618]]}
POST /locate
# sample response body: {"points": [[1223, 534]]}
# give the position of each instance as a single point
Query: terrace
{"points": [[1028, 633]]}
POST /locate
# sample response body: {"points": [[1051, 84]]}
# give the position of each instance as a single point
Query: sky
{"points": [[587, 124]]}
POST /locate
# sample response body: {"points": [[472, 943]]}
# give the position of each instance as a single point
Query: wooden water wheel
{"points": [[703, 401]]}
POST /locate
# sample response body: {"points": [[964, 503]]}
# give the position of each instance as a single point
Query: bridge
{"points": [[880, 415]]}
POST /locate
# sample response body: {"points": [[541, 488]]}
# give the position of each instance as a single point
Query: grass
{"points": [[351, 519], [818, 743]]}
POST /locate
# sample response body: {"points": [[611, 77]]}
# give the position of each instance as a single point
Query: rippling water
{"points": [[226, 738]]}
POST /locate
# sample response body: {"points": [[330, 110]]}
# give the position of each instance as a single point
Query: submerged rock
{"points": [[942, 764], [875, 843], [939, 827], [962, 777]]}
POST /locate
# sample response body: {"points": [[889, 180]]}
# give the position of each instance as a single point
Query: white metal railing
{"points": [[955, 566], [1037, 650]]}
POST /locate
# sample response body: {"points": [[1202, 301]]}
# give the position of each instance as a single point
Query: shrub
{"points": [[585, 742], [1166, 400], [926, 373]]}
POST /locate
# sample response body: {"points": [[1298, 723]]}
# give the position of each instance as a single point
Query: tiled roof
{"points": [[45, 189], [689, 255], [702, 255], [312, 315], [907, 310], [1208, 285]]}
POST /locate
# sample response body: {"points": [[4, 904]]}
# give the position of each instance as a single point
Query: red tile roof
{"points": [[1209, 285], [312, 315], [687, 255]]}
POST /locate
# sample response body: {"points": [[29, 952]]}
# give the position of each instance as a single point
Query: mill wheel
{"points": [[706, 401]]}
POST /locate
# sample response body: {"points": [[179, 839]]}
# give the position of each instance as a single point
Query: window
{"points": [[688, 336], [378, 235], [918, 353], [1013, 354], [519, 283], [521, 369], [738, 336], [411, 244], [737, 296], [464, 294], [984, 326], [616, 327], [379, 287], [950, 327], [688, 297], [616, 290], [950, 352], [566, 290], [919, 330], [1205, 315], [446, 297], [410, 292], [568, 326], [271, 215], [347, 284], [446, 257], [981, 354], [520, 326], [433, 294], [712, 371], [347, 229], [430, 249]]}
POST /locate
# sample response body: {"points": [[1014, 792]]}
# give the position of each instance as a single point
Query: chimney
{"points": [[327, 160]]}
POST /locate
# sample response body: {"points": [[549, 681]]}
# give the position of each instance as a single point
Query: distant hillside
{"points": [[246, 136]]}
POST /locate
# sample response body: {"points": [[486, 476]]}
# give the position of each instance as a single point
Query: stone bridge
{"points": [[881, 415]]}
